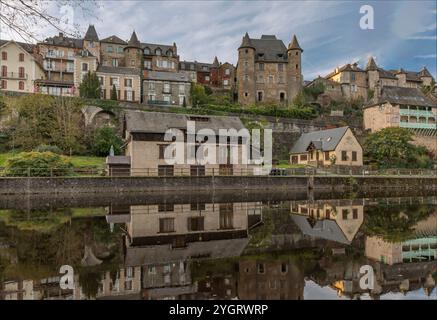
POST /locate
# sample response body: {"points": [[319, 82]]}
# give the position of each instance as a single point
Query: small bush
{"points": [[103, 139], [38, 164], [48, 148]]}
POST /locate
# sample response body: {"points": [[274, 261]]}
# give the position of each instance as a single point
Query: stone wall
{"points": [[100, 185]]}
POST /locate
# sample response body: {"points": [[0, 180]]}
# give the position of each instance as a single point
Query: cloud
{"points": [[426, 56], [423, 38]]}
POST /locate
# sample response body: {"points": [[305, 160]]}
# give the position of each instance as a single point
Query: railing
{"points": [[13, 75], [159, 102], [418, 113], [202, 171], [417, 125]]}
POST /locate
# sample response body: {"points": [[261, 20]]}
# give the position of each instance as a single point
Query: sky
{"points": [[404, 34]]}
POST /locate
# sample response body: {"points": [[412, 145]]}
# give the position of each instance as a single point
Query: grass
{"points": [[78, 161]]}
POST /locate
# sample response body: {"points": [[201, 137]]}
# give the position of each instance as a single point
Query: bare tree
{"points": [[24, 17]]}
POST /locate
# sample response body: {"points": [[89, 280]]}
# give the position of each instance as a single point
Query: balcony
{"points": [[417, 125], [417, 113], [13, 75]]}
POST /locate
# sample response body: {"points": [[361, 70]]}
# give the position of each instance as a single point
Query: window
{"points": [[166, 225], [115, 62], [246, 77], [166, 207], [152, 270], [207, 78], [303, 157], [21, 85], [344, 156], [169, 53], [21, 57], [195, 223], [353, 76], [281, 79], [246, 94], [226, 82], [197, 206], [101, 81], [4, 71], [4, 55], [261, 66], [260, 78], [132, 62], [167, 98], [158, 52], [260, 96], [326, 155], [355, 213], [297, 67], [113, 81], [4, 84], [109, 49], [165, 170], [120, 50], [197, 170], [246, 64], [260, 268], [147, 64], [354, 156], [284, 267], [130, 272], [128, 83], [151, 86], [166, 87], [84, 66], [271, 79], [344, 213], [226, 218], [162, 148], [128, 95], [281, 67], [227, 72], [146, 51], [181, 88], [21, 72], [128, 285]]}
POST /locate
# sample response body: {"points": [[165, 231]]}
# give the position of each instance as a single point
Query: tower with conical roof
{"points": [[246, 72], [133, 53], [294, 69], [372, 74], [91, 42]]}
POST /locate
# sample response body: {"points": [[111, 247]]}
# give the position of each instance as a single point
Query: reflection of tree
{"points": [[36, 220], [89, 280], [394, 223]]}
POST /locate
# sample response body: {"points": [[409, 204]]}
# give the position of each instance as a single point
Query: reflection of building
{"points": [[327, 147], [337, 221], [268, 280], [421, 248]]}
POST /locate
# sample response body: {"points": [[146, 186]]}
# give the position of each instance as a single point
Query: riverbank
{"points": [[108, 185]]}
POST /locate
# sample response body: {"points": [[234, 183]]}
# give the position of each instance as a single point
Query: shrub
{"points": [[90, 86], [48, 148], [103, 139], [114, 93], [38, 164]]}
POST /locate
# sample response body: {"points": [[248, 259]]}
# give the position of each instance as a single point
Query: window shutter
{"points": [[125, 93], [133, 95]]}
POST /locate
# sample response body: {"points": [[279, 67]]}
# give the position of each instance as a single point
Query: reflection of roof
{"points": [[159, 122], [324, 229], [215, 249], [403, 96], [325, 140]]}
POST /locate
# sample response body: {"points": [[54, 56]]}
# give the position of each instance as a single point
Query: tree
{"points": [[391, 147], [114, 93], [25, 18], [184, 103], [104, 138], [90, 86], [198, 96], [37, 164]]}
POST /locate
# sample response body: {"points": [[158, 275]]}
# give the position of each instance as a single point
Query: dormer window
{"points": [[158, 52], [169, 53], [146, 51], [261, 55], [280, 55]]}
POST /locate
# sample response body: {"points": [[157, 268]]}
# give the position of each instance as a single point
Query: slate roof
{"points": [[26, 46], [118, 160], [403, 96], [325, 140], [91, 34], [64, 41], [119, 70], [133, 41], [386, 74], [294, 44], [154, 46], [187, 65], [269, 49], [159, 122], [166, 76], [323, 229], [114, 39], [424, 73], [346, 67]]}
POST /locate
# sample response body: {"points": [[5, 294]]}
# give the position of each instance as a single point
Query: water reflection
{"points": [[298, 249]]}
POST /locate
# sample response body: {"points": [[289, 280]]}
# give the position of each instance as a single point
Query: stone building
{"points": [[327, 147], [405, 108], [144, 134], [353, 81], [268, 71], [20, 67], [112, 52], [166, 88], [332, 90], [127, 82]]}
